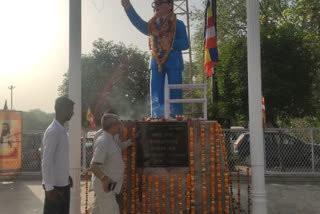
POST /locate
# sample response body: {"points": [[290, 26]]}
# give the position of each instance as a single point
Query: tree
{"points": [[36, 120], [289, 56], [114, 76]]}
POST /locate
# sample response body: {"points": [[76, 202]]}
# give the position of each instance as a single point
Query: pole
{"points": [[255, 112], [11, 88], [75, 95]]}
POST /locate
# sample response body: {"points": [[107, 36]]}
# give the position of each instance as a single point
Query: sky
{"points": [[34, 43]]}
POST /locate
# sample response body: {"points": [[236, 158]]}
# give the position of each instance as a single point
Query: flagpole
{"points": [[213, 86], [259, 203]]}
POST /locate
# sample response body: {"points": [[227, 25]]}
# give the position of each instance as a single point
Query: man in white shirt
{"points": [[55, 160], [107, 167]]}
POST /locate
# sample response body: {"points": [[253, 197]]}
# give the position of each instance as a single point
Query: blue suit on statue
{"points": [[173, 67]]}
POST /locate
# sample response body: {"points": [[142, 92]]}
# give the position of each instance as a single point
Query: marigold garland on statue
{"points": [[167, 31]]}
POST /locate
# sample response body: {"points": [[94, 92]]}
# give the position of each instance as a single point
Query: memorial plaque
{"points": [[162, 144]]}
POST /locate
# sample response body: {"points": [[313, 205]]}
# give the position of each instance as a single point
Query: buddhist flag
{"points": [[263, 111], [90, 118], [210, 38]]}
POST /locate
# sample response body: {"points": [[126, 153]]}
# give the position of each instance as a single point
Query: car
{"points": [[281, 149]]}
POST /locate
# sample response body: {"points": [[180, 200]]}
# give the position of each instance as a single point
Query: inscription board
{"points": [[162, 144]]}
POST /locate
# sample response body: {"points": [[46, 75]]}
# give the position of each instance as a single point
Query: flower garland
{"points": [[149, 194], [166, 31], [137, 205], [203, 166], [172, 202], [192, 174], [133, 172], [144, 201], [163, 193], [125, 160], [218, 168], [157, 194], [239, 198], [86, 207], [212, 170], [180, 194], [249, 191], [188, 193], [226, 169]]}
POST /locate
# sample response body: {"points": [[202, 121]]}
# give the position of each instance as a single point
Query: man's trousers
{"points": [[58, 207], [105, 203], [157, 82]]}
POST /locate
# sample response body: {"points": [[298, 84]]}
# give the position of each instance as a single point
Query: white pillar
{"points": [[75, 95], [255, 112]]}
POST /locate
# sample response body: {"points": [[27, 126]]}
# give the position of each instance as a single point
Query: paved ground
{"points": [[284, 196]]}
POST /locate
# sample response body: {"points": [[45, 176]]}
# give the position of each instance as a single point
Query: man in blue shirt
{"points": [[168, 38]]}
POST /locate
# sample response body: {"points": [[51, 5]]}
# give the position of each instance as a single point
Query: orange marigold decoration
{"points": [[124, 186], [133, 172], [180, 195], [212, 170], [231, 194], [86, 207], [249, 191], [157, 195], [226, 173], [149, 194], [163, 194], [192, 182], [239, 202], [188, 193], [172, 194], [144, 207], [203, 166], [167, 31], [137, 205], [218, 170]]}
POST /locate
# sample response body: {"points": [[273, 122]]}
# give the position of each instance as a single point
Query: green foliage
{"points": [[290, 52], [36, 120], [287, 73], [114, 77], [305, 122], [231, 74]]}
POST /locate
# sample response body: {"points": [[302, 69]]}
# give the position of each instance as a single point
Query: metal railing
{"points": [[31, 146], [287, 151]]}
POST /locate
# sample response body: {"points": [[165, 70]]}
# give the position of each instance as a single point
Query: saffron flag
{"points": [[90, 118], [263, 111], [210, 38]]}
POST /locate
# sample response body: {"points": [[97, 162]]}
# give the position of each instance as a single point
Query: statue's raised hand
{"points": [[126, 4]]}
